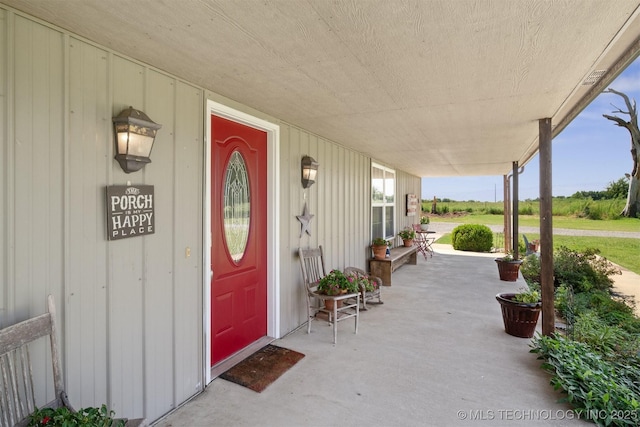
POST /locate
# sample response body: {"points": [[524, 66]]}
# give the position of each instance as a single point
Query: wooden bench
{"points": [[401, 255], [17, 383]]}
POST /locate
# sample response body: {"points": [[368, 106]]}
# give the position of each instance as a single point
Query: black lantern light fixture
{"points": [[309, 171], [134, 132]]}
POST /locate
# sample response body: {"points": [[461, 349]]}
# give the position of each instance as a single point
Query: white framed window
{"points": [[383, 201]]}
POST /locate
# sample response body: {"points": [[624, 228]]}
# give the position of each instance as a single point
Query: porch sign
{"points": [[412, 204], [129, 211]]}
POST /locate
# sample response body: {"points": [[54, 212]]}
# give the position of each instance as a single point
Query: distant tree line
{"points": [[615, 190]]}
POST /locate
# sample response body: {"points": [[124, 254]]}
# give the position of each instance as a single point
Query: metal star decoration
{"points": [[305, 220]]}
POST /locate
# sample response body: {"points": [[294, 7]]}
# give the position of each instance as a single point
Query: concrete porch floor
{"points": [[435, 354]]}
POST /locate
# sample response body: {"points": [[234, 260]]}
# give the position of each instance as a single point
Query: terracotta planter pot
{"points": [[379, 252], [520, 319], [328, 304], [508, 270], [408, 242]]}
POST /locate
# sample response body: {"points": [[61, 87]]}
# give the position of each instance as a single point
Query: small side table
{"points": [[423, 242]]}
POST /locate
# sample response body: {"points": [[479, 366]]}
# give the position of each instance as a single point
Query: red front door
{"points": [[239, 237]]}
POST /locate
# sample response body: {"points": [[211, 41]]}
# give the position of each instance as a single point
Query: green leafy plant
{"points": [[472, 237], [527, 296], [508, 257], [593, 385], [63, 417], [407, 234], [424, 220], [336, 283], [379, 241]]}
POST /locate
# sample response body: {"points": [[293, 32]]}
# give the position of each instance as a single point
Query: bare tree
{"points": [[632, 209]]}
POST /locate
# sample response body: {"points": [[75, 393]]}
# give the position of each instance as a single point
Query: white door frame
{"points": [[273, 287]]}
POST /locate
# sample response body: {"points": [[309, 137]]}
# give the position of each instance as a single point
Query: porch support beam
{"points": [[546, 227], [506, 215], [514, 212]]}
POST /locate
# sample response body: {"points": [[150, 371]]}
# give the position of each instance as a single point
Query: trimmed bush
{"points": [[472, 237]]}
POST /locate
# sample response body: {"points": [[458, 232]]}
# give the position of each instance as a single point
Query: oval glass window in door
{"points": [[237, 206]]}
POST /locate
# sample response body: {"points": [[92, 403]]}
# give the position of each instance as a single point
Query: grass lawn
{"points": [[622, 251]]}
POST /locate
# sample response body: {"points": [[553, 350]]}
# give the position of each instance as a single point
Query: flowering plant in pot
{"points": [[520, 311], [407, 235], [336, 283], [508, 267]]}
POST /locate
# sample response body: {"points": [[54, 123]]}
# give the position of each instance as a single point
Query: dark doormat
{"points": [[263, 367]]}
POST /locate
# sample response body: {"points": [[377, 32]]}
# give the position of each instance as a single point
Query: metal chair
{"points": [[313, 269], [364, 294], [530, 247]]}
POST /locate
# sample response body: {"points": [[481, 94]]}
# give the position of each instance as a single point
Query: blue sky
{"points": [[589, 154]]}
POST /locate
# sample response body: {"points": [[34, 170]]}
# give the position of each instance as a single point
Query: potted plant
{"points": [[336, 283], [424, 223], [407, 235], [508, 267], [520, 312], [379, 247]]}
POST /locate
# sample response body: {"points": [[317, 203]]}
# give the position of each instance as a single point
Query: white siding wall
{"points": [[339, 201], [131, 309]]}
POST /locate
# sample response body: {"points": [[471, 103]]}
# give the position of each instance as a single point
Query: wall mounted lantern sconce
{"points": [[135, 133], [309, 171]]}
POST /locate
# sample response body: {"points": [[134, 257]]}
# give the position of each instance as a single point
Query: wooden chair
{"points": [[17, 392], [364, 294], [313, 269]]}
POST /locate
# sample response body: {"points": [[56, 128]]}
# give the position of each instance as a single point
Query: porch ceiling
{"points": [[435, 87]]}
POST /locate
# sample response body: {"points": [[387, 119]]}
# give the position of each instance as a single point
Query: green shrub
{"points": [[564, 303], [472, 237], [530, 269], [525, 210], [583, 271]]}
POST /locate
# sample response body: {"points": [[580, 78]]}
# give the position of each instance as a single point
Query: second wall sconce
{"points": [[309, 171]]}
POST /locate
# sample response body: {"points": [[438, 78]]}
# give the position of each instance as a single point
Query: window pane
{"points": [[388, 221], [377, 229], [389, 187], [236, 205], [377, 185]]}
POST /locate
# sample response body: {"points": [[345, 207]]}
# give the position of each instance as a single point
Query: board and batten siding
{"points": [[340, 203], [131, 309], [406, 184]]}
